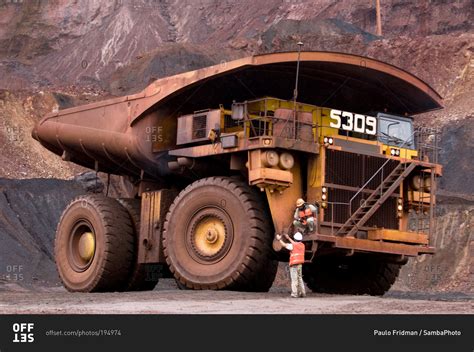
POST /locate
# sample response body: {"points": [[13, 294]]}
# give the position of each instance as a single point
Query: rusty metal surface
{"points": [[372, 246], [378, 84], [154, 206], [397, 236], [282, 205], [381, 247], [117, 135]]}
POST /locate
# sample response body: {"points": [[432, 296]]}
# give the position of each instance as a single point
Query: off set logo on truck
{"points": [[353, 122]]}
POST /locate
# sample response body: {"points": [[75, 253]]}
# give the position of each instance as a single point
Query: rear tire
{"points": [[217, 235], [94, 245], [357, 275], [143, 277]]}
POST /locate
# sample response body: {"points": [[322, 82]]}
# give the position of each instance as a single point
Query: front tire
{"points": [[217, 235], [357, 275], [94, 245]]}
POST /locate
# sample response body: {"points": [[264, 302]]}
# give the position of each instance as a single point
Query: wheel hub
{"points": [[82, 246], [209, 235], [212, 236], [86, 246]]}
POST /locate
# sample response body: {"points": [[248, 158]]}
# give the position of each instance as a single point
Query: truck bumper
{"points": [[377, 246]]}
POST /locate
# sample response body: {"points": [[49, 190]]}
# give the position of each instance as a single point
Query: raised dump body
{"points": [[218, 157]]}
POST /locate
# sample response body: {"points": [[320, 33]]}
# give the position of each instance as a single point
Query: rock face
{"points": [[56, 54], [451, 268], [30, 211], [72, 42], [457, 155]]}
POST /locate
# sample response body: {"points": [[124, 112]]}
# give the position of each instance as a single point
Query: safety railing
{"points": [[379, 171], [272, 126], [427, 147], [428, 143]]}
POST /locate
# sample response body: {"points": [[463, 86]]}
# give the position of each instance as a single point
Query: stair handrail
{"points": [[380, 169], [423, 144]]}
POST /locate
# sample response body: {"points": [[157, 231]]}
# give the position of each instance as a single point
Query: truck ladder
{"points": [[376, 199]]}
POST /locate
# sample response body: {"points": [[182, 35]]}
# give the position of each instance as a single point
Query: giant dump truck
{"points": [[214, 160]]}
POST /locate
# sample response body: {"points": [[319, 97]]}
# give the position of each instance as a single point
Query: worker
{"points": [[305, 216], [296, 249]]}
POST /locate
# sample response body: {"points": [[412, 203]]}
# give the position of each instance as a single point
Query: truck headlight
{"points": [[324, 194], [394, 152], [286, 161], [416, 182], [427, 183], [270, 158], [399, 207], [328, 140]]}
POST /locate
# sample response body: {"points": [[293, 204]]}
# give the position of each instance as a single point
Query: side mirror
{"points": [[238, 111]]}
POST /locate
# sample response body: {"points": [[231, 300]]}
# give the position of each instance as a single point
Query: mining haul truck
{"points": [[214, 160]]}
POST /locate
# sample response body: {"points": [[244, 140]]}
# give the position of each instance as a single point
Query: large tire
{"points": [[94, 245], [218, 235], [357, 275], [143, 277]]}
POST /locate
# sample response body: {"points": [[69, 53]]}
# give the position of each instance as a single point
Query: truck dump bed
{"points": [[116, 136]]}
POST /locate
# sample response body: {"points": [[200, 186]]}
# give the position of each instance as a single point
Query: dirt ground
{"points": [[167, 299]]}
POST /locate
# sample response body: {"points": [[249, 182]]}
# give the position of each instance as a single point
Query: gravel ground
{"points": [[166, 299]]}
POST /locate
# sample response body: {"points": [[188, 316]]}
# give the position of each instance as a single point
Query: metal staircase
{"points": [[376, 199]]}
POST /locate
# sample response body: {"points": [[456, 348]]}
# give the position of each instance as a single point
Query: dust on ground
{"points": [[167, 299]]}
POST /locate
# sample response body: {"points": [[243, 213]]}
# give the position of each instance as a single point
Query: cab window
{"points": [[396, 131]]}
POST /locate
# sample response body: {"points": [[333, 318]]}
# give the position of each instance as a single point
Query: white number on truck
{"points": [[353, 122]]}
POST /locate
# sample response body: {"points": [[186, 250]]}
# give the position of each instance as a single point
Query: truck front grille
{"points": [[350, 170]]}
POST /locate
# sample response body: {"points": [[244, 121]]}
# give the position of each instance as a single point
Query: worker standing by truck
{"points": [[296, 249], [305, 216]]}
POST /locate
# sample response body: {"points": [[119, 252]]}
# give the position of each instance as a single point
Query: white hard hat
{"points": [[298, 236], [299, 202]]}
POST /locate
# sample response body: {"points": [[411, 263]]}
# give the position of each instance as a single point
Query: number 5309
{"points": [[353, 122]]}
